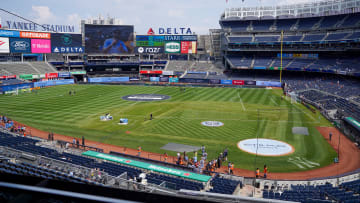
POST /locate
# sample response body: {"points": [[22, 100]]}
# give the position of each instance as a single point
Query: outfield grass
{"points": [[177, 120]]}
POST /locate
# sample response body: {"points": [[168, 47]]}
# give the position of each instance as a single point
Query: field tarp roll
{"points": [[148, 166]]}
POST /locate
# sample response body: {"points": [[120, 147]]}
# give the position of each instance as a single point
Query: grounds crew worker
{"points": [[139, 150], [257, 173]]}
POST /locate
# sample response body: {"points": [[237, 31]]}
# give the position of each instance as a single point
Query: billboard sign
{"points": [[174, 31], [64, 74], [159, 72], [4, 45], [167, 72], [38, 35], [51, 75], [109, 39], [66, 43], [268, 83], [19, 45], [149, 50], [250, 82], [151, 41], [188, 47], [172, 47], [180, 37], [238, 82], [164, 79], [40, 46], [174, 79], [9, 33], [154, 79], [226, 82], [17, 25]]}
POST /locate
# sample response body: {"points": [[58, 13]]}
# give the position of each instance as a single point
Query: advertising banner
{"points": [[38, 35], [8, 77], [167, 72], [164, 79], [154, 79], [66, 43], [109, 79], [82, 72], [4, 45], [188, 47], [40, 46], [238, 82], [226, 82], [150, 41], [180, 38], [19, 45], [172, 47], [26, 76], [148, 166], [268, 84], [51, 75], [193, 80], [250, 82], [53, 83], [134, 79], [109, 39], [9, 33], [214, 81], [159, 72], [8, 88], [173, 80], [64, 74], [149, 50]]}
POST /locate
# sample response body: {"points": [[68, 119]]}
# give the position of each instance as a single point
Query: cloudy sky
{"points": [[199, 15]]}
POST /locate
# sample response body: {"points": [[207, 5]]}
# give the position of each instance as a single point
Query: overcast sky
{"points": [[199, 15]]}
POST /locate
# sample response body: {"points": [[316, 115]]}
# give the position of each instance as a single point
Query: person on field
{"points": [[265, 171], [151, 116], [257, 172], [139, 150], [165, 157], [330, 135]]}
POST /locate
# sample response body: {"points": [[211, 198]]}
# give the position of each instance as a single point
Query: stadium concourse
{"points": [[348, 153]]}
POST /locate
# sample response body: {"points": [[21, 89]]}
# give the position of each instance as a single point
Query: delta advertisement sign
{"points": [[66, 43], [171, 31]]}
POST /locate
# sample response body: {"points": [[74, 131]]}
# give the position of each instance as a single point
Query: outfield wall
{"points": [[182, 81]]}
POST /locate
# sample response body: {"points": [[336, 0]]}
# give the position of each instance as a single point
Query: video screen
{"points": [[109, 39]]}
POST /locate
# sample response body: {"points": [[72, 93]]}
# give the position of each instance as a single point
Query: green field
{"points": [[178, 120]]}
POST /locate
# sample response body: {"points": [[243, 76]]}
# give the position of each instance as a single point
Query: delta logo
{"points": [[2, 43], [150, 32]]}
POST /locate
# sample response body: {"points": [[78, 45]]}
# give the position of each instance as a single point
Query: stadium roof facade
{"points": [[318, 8]]}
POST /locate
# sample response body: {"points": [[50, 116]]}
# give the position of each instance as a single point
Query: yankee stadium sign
{"points": [[35, 27]]}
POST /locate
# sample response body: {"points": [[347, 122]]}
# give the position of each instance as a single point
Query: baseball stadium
{"points": [[265, 108]]}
